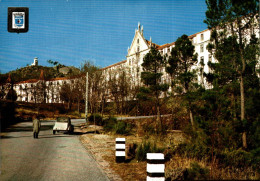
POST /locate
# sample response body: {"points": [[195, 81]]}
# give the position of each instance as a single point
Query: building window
{"points": [[201, 37], [202, 60], [201, 70], [138, 49], [210, 58], [201, 48], [137, 40]]}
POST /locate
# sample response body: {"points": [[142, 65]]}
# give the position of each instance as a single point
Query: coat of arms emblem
{"points": [[18, 20]]}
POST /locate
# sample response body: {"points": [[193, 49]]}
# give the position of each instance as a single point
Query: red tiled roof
{"points": [[154, 44], [53, 79], [165, 45], [28, 81], [59, 78], [113, 65], [192, 36], [170, 44]]}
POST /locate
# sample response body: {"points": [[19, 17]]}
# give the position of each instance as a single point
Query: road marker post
{"points": [[155, 167], [120, 150]]}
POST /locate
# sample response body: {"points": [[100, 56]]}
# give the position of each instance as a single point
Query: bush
{"points": [[196, 172], [193, 150], [146, 147], [122, 128], [149, 129], [237, 158], [97, 118], [109, 124]]}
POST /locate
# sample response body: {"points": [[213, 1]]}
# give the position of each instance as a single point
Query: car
{"points": [[63, 124]]}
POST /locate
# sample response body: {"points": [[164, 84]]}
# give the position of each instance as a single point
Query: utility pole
{"points": [[86, 107]]}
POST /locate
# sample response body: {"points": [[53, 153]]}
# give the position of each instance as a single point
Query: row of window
{"points": [[132, 61], [209, 58], [201, 38]]}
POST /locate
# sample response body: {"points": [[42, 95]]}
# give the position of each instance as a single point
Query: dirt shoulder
{"points": [[102, 147]]}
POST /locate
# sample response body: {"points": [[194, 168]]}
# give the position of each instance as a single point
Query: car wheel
{"points": [[53, 132], [71, 129]]}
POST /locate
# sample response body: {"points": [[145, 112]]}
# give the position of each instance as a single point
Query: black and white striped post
{"points": [[120, 150], [155, 167]]}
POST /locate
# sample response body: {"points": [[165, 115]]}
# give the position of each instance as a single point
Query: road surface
{"points": [[50, 157]]}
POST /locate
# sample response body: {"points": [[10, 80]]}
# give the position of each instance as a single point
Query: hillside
{"points": [[33, 72]]}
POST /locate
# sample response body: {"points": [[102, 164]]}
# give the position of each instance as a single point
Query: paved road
{"points": [[51, 157]]}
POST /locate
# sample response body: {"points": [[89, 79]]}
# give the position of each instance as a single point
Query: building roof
{"points": [[154, 44], [28, 81], [192, 36], [165, 45], [170, 44], [53, 79], [113, 65]]}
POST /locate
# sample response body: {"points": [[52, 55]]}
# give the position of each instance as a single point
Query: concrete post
{"points": [[120, 150], [155, 167]]}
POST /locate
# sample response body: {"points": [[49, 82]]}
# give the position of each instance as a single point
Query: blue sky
{"points": [[72, 31]]}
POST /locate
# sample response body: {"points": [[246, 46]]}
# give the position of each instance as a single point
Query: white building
{"points": [[141, 46], [35, 62]]}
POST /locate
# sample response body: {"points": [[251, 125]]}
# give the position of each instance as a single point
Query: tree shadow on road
{"points": [[26, 128]]}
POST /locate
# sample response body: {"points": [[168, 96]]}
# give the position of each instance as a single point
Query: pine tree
{"points": [[234, 44], [153, 65], [180, 62]]}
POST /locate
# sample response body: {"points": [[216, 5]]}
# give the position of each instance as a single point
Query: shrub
{"points": [[97, 118], [122, 128], [193, 150], [196, 172], [146, 147], [237, 158], [256, 159], [149, 129], [109, 124]]}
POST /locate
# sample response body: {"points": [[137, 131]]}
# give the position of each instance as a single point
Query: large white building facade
{"points": [[139, 47]]}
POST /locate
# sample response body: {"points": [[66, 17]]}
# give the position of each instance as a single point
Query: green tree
{"points": [[53, 62], [153, 65], [234, 24], [180, 62]]}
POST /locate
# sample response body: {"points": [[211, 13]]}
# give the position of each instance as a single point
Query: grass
{"points": [[177, 165]]}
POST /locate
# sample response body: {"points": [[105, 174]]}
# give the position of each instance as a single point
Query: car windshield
{"points": [[63, 119]]}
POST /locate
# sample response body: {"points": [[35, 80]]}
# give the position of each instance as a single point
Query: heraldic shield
{"points": [[18, 19]]}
